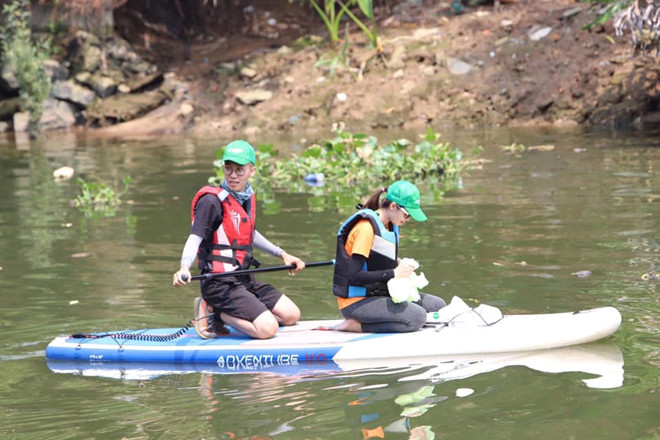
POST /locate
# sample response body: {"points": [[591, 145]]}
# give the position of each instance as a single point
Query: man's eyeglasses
{"points": [[406, 215], [239, 171]]}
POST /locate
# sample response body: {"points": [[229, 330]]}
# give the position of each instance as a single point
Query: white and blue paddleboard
{"points": [[602, 361], [310, 345]]}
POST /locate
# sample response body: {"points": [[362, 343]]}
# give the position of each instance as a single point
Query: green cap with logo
{"points": [[406, 195], [240, 152]]}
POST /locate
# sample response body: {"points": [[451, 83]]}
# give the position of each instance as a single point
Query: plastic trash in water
{"points": [[464, 392], [315, 179], [63, 173]]}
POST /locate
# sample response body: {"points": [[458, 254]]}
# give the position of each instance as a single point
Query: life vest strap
{"points": [[233, 247]]}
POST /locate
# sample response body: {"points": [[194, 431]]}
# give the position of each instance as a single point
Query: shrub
{"points": [[25, 58]]}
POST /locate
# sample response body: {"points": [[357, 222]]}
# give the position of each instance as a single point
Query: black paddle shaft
{"points": [[258, 270]]}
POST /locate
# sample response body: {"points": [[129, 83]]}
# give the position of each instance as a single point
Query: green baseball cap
{"points": [[406, 195], [240, 152]]}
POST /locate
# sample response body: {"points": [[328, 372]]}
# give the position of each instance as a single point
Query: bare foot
{"points": [[349, 325]]}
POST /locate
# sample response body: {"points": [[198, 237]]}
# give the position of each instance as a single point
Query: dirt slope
{"points": [[527, 62]]}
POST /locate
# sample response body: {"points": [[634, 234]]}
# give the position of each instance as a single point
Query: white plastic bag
{"points": [[456, 307], [411, 262], [406, 289], [457, 313], [401, 289]]}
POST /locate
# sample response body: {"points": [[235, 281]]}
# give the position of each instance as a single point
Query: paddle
{"points": [[258, 270]]}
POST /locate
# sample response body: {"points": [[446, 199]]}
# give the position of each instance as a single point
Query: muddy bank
{"points": [[524, 63]]}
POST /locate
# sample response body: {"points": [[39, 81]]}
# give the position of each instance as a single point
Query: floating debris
{"points": [[315, 179], [541, 148], [651, 276], [63, 173], [464, 392], [582, 273]]}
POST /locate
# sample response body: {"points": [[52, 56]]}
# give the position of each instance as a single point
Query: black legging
{"points": [[379, 314]]}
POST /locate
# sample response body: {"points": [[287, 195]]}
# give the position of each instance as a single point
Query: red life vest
{"points": [[231, 248]]}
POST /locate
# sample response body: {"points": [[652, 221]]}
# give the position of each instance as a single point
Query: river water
{"points": [[520, 235]]}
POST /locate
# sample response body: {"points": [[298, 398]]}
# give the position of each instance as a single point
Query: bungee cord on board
{"points": [[127, 336]]}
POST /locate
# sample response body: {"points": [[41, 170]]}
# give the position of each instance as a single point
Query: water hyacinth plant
{"points": [[351, 159], [341, 170], [99, 197]]}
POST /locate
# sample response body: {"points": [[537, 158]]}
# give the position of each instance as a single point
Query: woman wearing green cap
{"points": [[367, 258], [222, 238]]}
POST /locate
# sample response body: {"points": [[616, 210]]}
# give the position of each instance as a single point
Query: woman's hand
{"points": [[403, 270]]}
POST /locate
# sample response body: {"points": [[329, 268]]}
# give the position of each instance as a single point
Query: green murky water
{"points": [[513, 236]]}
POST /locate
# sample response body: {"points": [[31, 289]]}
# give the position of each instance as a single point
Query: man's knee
{"points": [[286, 311], [266, 326], [291, 317]]}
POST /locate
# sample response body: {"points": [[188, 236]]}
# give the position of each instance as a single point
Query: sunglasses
{"points": [[406, 215]]}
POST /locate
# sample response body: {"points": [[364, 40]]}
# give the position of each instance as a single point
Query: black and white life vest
{"points": [[383, 255]]}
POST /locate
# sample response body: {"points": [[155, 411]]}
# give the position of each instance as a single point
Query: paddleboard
{"points": [[603, 361], [310, 345]]}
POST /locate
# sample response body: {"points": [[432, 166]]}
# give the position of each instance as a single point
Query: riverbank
{"points": [[524, 63]]}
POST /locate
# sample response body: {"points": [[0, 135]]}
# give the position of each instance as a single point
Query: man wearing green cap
{"points": [[367, 258], [222, 237]]}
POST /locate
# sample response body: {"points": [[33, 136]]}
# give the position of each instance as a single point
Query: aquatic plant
{"points": [[24, 58], [351, 159], [99, 197], [342, 170]]}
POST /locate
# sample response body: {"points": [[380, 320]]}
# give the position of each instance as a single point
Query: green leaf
{"points": [[266, 148], [313, 151], [367, 8], [339, 148]]}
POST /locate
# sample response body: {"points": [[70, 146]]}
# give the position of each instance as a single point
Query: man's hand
{"points": [[184, 272], [290, 259]]}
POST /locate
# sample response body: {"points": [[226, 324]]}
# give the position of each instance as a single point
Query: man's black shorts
{"points": [[242, 297]]}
